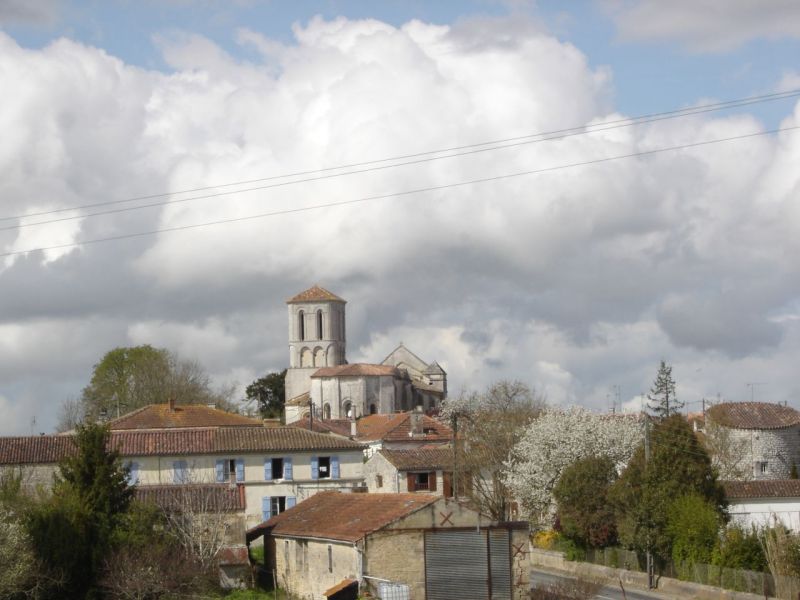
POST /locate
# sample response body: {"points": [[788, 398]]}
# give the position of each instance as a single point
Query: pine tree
{"points": [[662, 401]]}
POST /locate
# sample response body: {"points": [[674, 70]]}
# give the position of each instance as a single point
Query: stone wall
{"points": [[779, 448], [303, 567]]}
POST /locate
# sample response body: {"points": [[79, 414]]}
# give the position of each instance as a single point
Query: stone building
{"points": [[425, 470], [319, 378], [765, 435], [418, 545]]}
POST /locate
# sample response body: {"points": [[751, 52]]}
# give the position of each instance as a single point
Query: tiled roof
{"points": [[176, 442], [421, 458], [314, 294], [160, 416], [753, 415], [233, 555], [357, 369], [337, 426], [766, 488], [397, 428], [341, 516], [199, 497]]}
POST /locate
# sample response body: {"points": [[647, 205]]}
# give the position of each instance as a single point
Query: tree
{"points": [[728, 453], [269, 394], [489, 425], [693, 524], [72, 530], [557, 439], [642, 496], [662, 401], [128, 378], [584, 513]]}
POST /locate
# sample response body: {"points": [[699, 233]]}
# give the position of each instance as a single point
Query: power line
{"points": [[403, 193], [455, 152]]}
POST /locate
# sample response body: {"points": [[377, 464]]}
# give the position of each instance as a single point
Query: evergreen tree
{"points": [[662, 401], [269, 393], [645, 492]]}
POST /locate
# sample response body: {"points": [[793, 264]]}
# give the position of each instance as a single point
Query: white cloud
{"points": [[574, 280], [705, 25]]}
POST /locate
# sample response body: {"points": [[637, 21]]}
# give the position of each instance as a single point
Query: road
{"points": [[606, 593]]}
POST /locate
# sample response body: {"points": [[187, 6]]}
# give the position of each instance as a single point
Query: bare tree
{"points": [[729, 454], [489, 425], [70, 415]]}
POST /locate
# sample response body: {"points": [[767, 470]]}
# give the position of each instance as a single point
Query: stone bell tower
{"points": [[316, 337]]}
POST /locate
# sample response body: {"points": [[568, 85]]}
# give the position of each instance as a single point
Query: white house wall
{"points": [[763, 512]]}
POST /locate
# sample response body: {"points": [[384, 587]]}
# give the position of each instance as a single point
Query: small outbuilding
{"points": [[416, 545], [764, 503]]}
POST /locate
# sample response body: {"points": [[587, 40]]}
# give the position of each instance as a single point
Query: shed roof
{"points": [[315, 294], [359, 369], [420, 458], [753, 415], [176, 442], [342, 516], [162, 416], [765, 488], [398, 427]]}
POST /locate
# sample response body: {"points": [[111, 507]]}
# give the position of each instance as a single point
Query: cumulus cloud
{"points": [[573, 280], [705, 25]]}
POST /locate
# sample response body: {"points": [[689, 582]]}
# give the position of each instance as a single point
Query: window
{"points": [[230, 470], [348, 410], [421, 481], [180, 471], [133, 473], [373, 409], [324, 467], [379, 481], [301, 324], [319, 324], [761, 467], [330, 559], [275, 505], [326, 411], [278, 468]]}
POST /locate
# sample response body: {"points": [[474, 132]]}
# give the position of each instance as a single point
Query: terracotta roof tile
{"points": [[314, 294], [397, 427], [335, 426], [158, 416], [356, 515], [753, 415], [200, 497], [176, 442], [359, 369], [766, 488], [421, 458]]}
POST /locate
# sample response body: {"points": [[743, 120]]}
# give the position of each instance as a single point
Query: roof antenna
{"points": [[752, 385]]}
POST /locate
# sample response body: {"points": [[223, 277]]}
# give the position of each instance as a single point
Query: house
{"points": [[767, 435], [404, 430], [761, 503], [320, 379], [180, 416], [276, 466], [418, 545], [427, 470]]}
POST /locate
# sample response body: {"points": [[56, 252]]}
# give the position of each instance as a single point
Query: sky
{"points": [[573, 264]]}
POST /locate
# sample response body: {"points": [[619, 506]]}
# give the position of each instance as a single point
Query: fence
{"points": [[738, 580]]}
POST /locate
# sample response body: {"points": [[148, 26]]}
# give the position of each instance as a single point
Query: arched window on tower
{"points": [[373, 409], [326, 411], [301, 324], [319, 324]]}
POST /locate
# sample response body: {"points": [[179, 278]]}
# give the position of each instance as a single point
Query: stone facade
{"points": [[382, 477], [771, 452], [309, 567]]}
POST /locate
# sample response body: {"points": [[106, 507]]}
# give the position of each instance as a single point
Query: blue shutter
{"points": [[334, 467], [239, 469], [133, 477], [220, 471], [179, 471], [287, 468], [314, 467], [267, 469], [266, 504], [290, 501]]}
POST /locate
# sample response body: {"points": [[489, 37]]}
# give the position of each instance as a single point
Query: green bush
{"points": [[738, 548], [257, 554], [693, 525]]}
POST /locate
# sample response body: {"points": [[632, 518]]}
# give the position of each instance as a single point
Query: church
{"points": [[320, 381]]}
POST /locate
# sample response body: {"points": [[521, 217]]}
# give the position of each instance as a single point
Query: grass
{"points": [[253, 595]]}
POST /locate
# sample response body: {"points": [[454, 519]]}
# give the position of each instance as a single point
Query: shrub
{"points": [[740, 549], [546, 540], [693, 525]]}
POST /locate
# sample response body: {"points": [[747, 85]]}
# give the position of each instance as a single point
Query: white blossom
{"points": [[557, 439]]}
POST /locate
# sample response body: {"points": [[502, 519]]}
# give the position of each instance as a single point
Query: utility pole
{"points": [[650, 569], [455, 456]]}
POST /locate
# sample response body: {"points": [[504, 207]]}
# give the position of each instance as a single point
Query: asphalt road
{"points": [[605, 593]]}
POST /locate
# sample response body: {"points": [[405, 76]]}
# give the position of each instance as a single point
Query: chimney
{"points": [[353, 429], [416, 420]]}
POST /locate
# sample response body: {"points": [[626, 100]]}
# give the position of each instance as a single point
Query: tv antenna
{"points": [[752, 385]]}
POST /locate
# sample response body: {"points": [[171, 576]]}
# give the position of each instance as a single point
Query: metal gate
{"points": [[469, 565]]}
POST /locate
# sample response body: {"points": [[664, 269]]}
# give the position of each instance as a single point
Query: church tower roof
{"points": [[315, 294]]}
